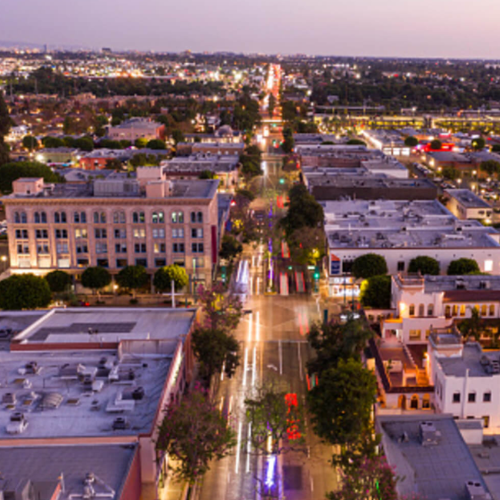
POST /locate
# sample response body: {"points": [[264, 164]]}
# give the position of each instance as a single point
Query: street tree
{"points": [[140, 143], [132, 278], [288, 141], [52, 142], [24, 291], [491, 167], [272, 104], [334, 341], [307, 245], [355, 142], [478, 144], [58, 281], [216, 350], [194, 432], [463, 266], [96, 278], [340, 405], [424, 264], [368, 265], [436, 145], [221, 310], [303, 211], [375, 292], [411, 141], [30, 142], [177, 136], [230, 248], [156, 144], [206, 174], [451, 173], [164, 276], [277, 420], [114, 164]]}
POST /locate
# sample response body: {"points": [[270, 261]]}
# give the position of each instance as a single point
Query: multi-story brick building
{"points": [[113, 223]]}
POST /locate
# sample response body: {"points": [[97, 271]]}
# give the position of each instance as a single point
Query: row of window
{"points": [[198, 262], [471, 397], [451, 310], [102, 233], [101, 217], [102, 247]]}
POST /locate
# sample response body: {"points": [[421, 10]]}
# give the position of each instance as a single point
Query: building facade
{"points": [[113, 223]]}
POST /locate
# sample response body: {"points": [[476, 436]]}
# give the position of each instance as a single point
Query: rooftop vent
{"points": [[475, 491], [17, 423], [429, 436], [120, 424]]}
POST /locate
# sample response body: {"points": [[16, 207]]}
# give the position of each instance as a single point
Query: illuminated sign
{"points": [[334, 264]]}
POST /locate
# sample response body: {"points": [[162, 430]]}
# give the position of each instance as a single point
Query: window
{"points": [[455, 310], [401, 265], [412, 310], [120, 247], [141, 262], [42, 249], [471, 398], [82, 262], [62, 247], [100, 233], [99, 218], [138, 217], [462, 310], [447, 311], [41, 234], [119, 217], [80, 218], [23, 248], [82, 247], [456, 397], [430, 310], [197, 248], [61, 234], [101, 247], [160, 262], [159, 233], [140, 247], [178, 248], [193, 217], [80, 233], [158, 218], [139, 233], [121, 263], [486, 420], [17, 218], [488, 266], [60, 217], [40, 218], [178, 233], [22, 233], [492, 309], [415, 334], [199, 216], [103, 262], [159, 248], [487, 397], [483, 310], [120, 234], [178, 217], [421, 310], [196, 233]]}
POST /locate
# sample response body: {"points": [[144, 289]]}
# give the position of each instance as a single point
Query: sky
{"points": [[398, 28]]}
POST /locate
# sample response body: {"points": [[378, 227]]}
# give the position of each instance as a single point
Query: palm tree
{"points": [[473, 326]]}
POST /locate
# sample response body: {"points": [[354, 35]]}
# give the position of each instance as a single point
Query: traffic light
{"points": [[282, 181], [316, 273], [223, 273]]}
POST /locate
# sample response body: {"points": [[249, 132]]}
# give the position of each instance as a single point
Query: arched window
{"points": [[430, 310], [421, 310], [157, 218], [83, 217], [43, 217], [483, 309], [411, 311], [102, 217], [138, 217], [76, 217], [154, 218], [414, 402], [119, 217], [447, 311], [36, 218], [24, 218], [57, 217], [200, 217], [492, 309], [193, 217], [80, 217], [17, 217], [161, 217], [455, 310]]}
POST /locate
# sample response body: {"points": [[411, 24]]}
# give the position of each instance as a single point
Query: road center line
{"points": [[245, 368], [254, 366], [257, 326], [238, 448], [300, 363], [250, 324]]}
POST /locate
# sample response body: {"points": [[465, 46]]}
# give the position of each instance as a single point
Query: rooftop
{"points": [[43, 466], [138, 122], [469, 282], [105, 325], [467, 198], [79, 393], [479, 363], [393, 224], [438, 469]]}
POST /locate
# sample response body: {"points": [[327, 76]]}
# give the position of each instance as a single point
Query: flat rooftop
{"points": [[469, 282], [474, 359], [487, 458], [360, 180], [43, 465], [396, 224], [107, 325], [467, 198], [436, 471], [200, 162], [57, 402]]}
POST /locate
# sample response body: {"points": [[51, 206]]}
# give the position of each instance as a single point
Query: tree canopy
{"points": [[30, 143], [96, 278], [424, 265], [230, 247], [411, 141], [9, 172], [491, 167], [478, 143], [132, 278], [463, 266], [221, 310], [164, 276], [436, 145], [58, 281], [376, 292], [24, 291], [368, 265]]}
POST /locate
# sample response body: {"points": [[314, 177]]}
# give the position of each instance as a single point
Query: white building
{"points": [[403, 230], [466, 379], [464, 204], [423, 303]]}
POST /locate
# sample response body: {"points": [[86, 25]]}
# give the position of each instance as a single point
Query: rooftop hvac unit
{"points": [[475, 491]]}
